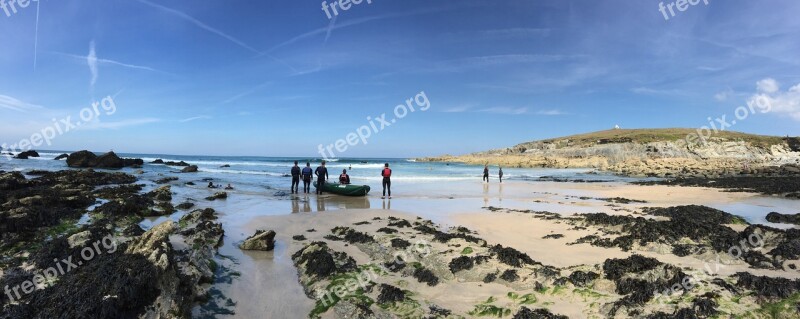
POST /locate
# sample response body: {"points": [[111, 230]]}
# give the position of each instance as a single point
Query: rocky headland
{"points": [[651, 152]]}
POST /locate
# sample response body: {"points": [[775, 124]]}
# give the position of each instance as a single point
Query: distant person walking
{"points": [[295, 178], [387, 180], [307, 174], [486, 173], [322, 176], [500, 174]]}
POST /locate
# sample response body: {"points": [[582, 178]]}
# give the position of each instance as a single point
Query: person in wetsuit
{"points": [[500, 174], [387, 180], [322, 176], [344, 179], [295, 178], [486, 173], [307, 174]]}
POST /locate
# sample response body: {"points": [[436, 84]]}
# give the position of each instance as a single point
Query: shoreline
{"points": [[247, 284]]}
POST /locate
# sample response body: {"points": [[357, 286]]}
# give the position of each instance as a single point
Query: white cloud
{"points": [[505, 110], [646, 90], [768, 85], [201, 117], [91, 60], [770, 98], [551, 112], [724, 95], [13, 104], [458, 109]]}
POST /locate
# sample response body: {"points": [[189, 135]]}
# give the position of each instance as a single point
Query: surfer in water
{"points": [[486, 173]]}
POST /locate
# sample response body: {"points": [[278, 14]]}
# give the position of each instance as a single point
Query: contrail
{"points": [[36, 36], [200, 24]]}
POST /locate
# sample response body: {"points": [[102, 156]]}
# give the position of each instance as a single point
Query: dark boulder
{"points": [[108, 160], [81, 159], [783, 218], [62, 156], [189, 169], [27, 154]]}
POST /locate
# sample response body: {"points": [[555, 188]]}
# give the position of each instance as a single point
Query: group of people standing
{"points": [[486, 173], [322, 177]]}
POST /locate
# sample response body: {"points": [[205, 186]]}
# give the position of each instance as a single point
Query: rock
{"points": [[166, 180], [225, 166], [774, 217], [133, 231], [26, 154], [110, 160], [189, 169], [263, 240], [157, 161], [79, 239], [81, 159], [185, 205], [218, 195]]}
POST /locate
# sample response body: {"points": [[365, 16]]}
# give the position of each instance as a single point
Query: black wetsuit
{"points": [[307, 172], [322, 176], [486, 174], [295, 179], [387, 181], [501, 175]]}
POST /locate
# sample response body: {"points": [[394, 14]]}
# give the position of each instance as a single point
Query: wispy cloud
{"points": [[91, 61], [13, 104], [102, 125], [199, 24], [194, 118], [515, 33], [248, 92], [458, 109], [724, 95], [651, 91], [332, 26], [552, 112], [505, 110]]}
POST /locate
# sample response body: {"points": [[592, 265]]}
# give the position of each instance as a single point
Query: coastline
{"points": [[517, 214]]}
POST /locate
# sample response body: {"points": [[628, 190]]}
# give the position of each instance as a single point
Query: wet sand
{"points": [[268, 285]]}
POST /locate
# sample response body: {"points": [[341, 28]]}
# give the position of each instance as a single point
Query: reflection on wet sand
{"points": [[328, 202]]}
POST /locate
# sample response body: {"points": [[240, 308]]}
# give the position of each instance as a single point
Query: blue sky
{"points": [[278, 78]]}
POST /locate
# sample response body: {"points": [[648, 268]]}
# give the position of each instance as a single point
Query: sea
{"points": [[270, 174]]}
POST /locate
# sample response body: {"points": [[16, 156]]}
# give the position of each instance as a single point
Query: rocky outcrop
{"points": [[169, 163], [656, 152], [27, 154], [262, 240], [110, 160], [217, 195], [189, 169], [62, 156], [774, 217]]}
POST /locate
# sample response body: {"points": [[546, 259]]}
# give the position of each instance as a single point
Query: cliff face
{"points": [[663, 152]]}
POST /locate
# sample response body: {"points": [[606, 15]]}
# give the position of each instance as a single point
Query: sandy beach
{"points": [[268, 282]]}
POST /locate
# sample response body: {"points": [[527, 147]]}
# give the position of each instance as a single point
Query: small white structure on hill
{"points": [[616, 127]]}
